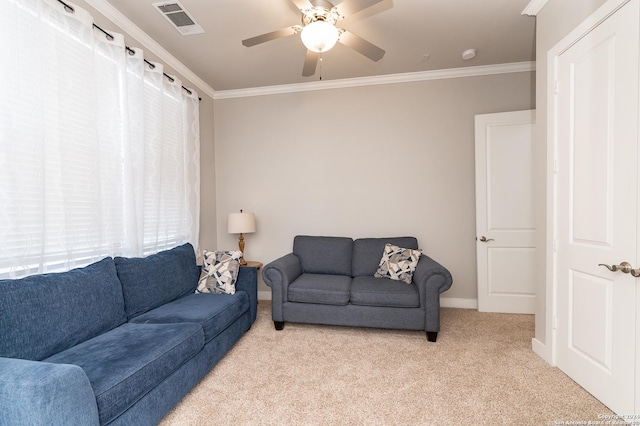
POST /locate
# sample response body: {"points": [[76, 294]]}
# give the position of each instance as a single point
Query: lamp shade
{"points": [[241, 223], [319, 36]]}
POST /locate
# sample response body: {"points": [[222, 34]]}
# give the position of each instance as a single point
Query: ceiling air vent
{"points": [[179, 17]]}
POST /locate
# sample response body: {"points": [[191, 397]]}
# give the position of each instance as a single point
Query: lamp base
{"points": [[241, 247]]}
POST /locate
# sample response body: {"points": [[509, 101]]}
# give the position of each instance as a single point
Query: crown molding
{"points": [[148, 43], [114, 15], [534, 7], [378, 80]]}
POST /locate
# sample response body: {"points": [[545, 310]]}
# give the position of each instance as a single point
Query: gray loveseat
{"points": [[118, 342], [330, 280]]}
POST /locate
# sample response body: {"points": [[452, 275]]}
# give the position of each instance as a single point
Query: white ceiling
{"points": [[417, 35]]}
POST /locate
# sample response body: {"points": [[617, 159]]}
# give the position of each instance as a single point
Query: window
{"points": [[99, 152]]}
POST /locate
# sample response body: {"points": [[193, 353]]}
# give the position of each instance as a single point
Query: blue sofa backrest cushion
{"points": [[148, 282], [367, 252], [42, 315], [324, 255]]}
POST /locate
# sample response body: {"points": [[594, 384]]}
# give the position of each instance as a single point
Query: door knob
{"points": [[485, 239], [624, 267]]}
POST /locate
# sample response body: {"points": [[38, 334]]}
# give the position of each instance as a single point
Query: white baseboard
{"points": [[264, 295], [541, 350], [455, 302], [445, 302]]}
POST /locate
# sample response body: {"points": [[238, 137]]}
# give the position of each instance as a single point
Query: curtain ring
{"points": [[67, 7]]}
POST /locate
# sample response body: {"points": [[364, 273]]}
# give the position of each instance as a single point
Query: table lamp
{"points": [[241, 223]]}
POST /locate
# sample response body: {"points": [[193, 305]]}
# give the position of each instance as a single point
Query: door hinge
{"points": [[555, 167], [556, 87], [554, 322]]}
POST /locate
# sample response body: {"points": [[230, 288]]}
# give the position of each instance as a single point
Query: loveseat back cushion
{"points": [[324, 255], [367, 252], [148, 282], [42, 315]]}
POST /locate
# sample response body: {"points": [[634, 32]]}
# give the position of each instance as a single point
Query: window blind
{"points": [[99, 153]]}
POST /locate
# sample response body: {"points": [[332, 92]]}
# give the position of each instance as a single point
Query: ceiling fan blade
{"points": [[271, 36], [310, 63], [301, 4], [361, 46], [349, 7]]}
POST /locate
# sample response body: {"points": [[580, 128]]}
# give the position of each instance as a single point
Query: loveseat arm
{"points": [[432, 279], [278, 275], [432, 275], [42, 393]]}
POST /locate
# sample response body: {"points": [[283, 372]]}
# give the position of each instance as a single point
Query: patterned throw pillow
{"points": [[219, 272], [398, 263]]}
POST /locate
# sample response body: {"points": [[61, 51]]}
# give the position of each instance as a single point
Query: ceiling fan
{"points": [[319, 32]]}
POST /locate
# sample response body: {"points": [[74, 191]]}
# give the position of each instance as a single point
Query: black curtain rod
{"points": [[109, 37]]}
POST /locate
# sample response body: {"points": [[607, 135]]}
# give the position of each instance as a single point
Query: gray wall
{"points": [[387, 160], [393, 159]]}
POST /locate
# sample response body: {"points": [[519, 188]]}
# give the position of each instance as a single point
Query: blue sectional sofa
{"points": [[119, 342], [330, 280]]}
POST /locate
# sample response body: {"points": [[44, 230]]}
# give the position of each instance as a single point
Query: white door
{"points": [[596, 142], [505, 225]]}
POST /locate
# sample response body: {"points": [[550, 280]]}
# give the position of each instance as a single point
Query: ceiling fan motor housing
{"points": [[319, 32], [321, 11]]}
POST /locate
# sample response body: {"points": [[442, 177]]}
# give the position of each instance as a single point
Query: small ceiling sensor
{"points": [[469, 54]]}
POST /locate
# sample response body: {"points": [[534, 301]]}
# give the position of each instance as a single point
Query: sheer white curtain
{"points": [[99, 152]]}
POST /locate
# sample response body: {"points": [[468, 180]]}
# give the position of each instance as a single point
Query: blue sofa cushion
{"points": [[214, 312], [324, 255], [320, 288], [157, 279], [371, 291], [367, 252], [124, 364], [45, 314]]}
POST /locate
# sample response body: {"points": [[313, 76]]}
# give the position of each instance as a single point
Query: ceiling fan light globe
{"points": [[319, 36]]}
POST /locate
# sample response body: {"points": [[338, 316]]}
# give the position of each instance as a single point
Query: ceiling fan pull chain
{"points": [[320, 72]]}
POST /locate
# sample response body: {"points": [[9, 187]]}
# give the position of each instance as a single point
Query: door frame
{"points": [[548, 351]]}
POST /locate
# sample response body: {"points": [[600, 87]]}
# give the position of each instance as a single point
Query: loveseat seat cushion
{"points": [[44, 314], [324, 255], [371, 291], [157, 279], [323, 289], [367, 252], [214, 312], [127, 362]]}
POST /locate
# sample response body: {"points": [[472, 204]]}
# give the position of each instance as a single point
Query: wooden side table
{"points": [[252, 264]]}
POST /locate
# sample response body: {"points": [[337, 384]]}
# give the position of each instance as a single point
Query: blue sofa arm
{"points": [[278, 275], [41, 393], [248, 281]]}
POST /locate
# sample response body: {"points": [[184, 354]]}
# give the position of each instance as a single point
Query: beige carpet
{"points": [[481, 371]]}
